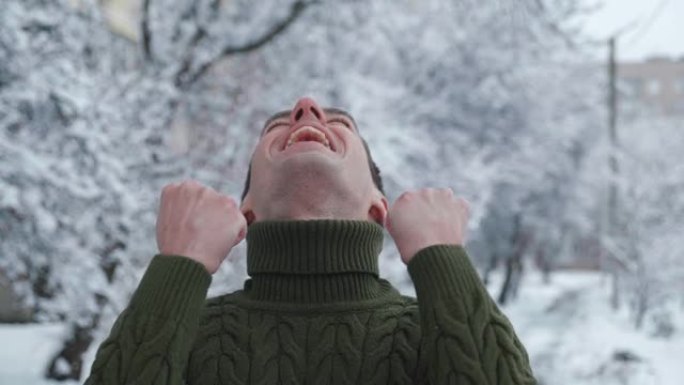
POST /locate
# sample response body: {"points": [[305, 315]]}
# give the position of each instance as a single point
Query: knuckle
{"points": [[167, 190], [432, 192], [226, 202], [190, 184]]}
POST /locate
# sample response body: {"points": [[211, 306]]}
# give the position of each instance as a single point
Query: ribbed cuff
{"points": [[443, 272], [172, 287]]}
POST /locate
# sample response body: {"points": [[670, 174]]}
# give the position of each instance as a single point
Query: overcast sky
{"points": [[664, 36]]}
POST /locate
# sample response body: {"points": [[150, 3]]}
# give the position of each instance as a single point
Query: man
{"points": [[314, 310]]}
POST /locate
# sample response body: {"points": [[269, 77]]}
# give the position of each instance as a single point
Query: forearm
{"points": [[151, 340], [466, 338]]}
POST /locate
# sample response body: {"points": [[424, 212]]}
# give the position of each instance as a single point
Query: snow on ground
{"points": [[573, 337], [25, 350], [567, 327]]}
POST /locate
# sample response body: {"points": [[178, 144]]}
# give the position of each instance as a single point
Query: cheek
{"points": [[266, 148], [360, 168], [259, 164]]}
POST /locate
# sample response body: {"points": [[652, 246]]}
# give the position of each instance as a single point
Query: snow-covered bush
{"points": [[462, 94]]}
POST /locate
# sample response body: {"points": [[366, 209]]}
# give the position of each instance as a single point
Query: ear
{"points": [[247, 209], [379, 207]]}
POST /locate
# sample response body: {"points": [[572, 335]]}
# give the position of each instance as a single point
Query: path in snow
{"points": [[573, 337]]}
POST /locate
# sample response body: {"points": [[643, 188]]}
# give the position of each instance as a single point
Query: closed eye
{"points": [[274, 125], [343, 121]]}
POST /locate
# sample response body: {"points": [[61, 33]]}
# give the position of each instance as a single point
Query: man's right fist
{"points": [[197, 222]]}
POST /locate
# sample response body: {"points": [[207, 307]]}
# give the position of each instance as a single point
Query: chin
{"points": [[308, 175], [311, 162]]}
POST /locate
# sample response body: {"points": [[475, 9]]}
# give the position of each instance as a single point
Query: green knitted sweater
{"points": [[313, 312]]}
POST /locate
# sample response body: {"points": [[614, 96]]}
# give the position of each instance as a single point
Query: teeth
{"points": [[319, 136]]}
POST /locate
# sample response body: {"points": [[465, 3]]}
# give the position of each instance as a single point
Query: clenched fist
{"points": [[199, 223], [427, 217]]}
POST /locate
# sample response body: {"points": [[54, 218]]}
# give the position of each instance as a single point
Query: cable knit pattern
{"points": [[250, 346], [466, 338], [151, 340], [337, 323]]}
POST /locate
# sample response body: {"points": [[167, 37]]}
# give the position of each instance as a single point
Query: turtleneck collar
{"points": [[313, 261]]}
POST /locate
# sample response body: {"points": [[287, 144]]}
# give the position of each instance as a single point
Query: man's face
{"points": [[310, 163]]}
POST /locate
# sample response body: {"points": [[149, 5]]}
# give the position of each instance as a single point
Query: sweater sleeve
{"points": [[151, 340], [466, 338]]}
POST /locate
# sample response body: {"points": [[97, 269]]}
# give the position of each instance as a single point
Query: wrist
{"points": [[210, 266], [444, 272], [173, 286], [409, 252]]}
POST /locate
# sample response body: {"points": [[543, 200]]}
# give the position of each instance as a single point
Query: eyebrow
{"points": [[328, 111]]}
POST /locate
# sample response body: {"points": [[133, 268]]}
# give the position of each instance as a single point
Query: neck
{"points": [[294, 204], [313, 261], [306, 190]]}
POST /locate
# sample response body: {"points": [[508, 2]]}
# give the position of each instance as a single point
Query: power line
{"points": [[655, 15]]}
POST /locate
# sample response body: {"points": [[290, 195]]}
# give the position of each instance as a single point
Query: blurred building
{"points": [[657, 83]]}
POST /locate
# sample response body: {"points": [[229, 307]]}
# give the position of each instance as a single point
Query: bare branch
{"points": [[185, 77], [146, 38], [189, 14], [214, 6], [556, 29]]}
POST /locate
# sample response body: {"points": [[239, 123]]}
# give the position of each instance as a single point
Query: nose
{"points": [[306, 110]]}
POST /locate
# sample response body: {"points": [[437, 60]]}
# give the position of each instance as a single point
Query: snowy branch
{"points": [[186, 76], [146, 38]]}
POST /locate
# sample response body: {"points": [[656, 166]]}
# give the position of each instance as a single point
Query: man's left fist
{"points": [[427, 217]]}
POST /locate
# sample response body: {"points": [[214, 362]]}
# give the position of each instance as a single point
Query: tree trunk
{"points": [[514, 267], [491, 266], [67, 364], [615, 289], [506, 286], [509, 288], [543, 264]]}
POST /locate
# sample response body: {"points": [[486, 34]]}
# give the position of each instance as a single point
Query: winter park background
{"points": [[578, 234]]}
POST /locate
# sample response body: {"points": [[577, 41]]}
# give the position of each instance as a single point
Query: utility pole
{"points": [[612, 127], [612, 215], [611, 227]]}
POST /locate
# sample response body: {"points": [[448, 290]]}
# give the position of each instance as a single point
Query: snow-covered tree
{"points": [[84, 118], [647, 246], [458, 94]]}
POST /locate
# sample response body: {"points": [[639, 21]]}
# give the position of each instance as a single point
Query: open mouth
{"points": [[308, 134]]}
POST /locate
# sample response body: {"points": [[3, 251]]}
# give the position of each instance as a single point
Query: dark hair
{"points": [[374, 170]]}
